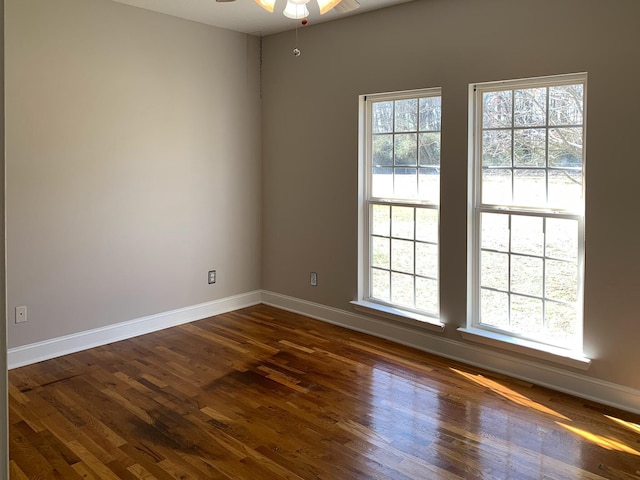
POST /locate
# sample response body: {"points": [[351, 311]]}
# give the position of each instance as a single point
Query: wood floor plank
{"points": [[16, 472], [140, 472], [261, 393]]}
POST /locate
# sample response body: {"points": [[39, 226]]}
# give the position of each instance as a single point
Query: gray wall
{"points": [[133, 164], [310, 128]]}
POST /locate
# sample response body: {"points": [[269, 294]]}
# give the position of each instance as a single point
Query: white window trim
{"points": [[363, 304], [572, 356], [396, 314], [526, 347]]}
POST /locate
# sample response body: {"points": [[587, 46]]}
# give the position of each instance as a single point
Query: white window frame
{"points": [[570, 355], [365, 303]]}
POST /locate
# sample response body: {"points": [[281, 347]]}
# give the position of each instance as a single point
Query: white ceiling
{"points": [[246, 16]]}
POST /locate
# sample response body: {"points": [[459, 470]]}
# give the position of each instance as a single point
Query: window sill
{"points": [[527, 347], [410, 318]]}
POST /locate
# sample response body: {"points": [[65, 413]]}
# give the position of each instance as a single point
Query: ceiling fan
{"points": [[297, 9]]}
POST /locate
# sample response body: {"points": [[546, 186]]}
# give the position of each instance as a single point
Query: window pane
{"points": [[405, 182], [402, 289], [405, 149], [496, 148], [495, 231], [526, 316], [494, 272], [403, 186], [429, 184], [496, 111], [531, 159], [561, 281], [494, 309], [402, 225], [530, 147], [530, 107], [380, 284], [382, 182], [529, 187], [427, 224], [526, 275], [430, 109], [496, 186], [402, 256], [380, 252], [566, 105], [560, 321], [429, 149], [406, 115], [427, 294], [382, 121], [565, 147], [565, 188], [382, 153], [427, 260], [562, 239], [527, 235], [380, 224]]}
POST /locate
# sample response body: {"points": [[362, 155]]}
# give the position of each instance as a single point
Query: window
{"points": [[400, 193], [527, 209]]}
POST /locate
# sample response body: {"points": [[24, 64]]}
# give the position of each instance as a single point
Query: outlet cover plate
{"points": [[21, 314]]}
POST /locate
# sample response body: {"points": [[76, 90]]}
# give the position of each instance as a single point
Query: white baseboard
{"points": [[56, 347], [566, 381]]}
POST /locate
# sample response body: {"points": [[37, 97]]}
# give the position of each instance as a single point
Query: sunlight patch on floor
{"points": [[508, 393], [604, 442], [634, 427]]}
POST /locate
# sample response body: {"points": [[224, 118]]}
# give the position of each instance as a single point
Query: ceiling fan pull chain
{"points": [[296, 50]]}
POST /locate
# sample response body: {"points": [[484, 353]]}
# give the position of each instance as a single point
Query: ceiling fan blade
{"points": [[346, 6], [266, 4]]}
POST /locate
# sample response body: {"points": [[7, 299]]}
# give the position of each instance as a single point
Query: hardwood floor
{"points": [[265, 394]]}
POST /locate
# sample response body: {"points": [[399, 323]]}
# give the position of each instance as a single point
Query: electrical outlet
{"points": [[21, 314], [212, 276], [313, 279]]}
